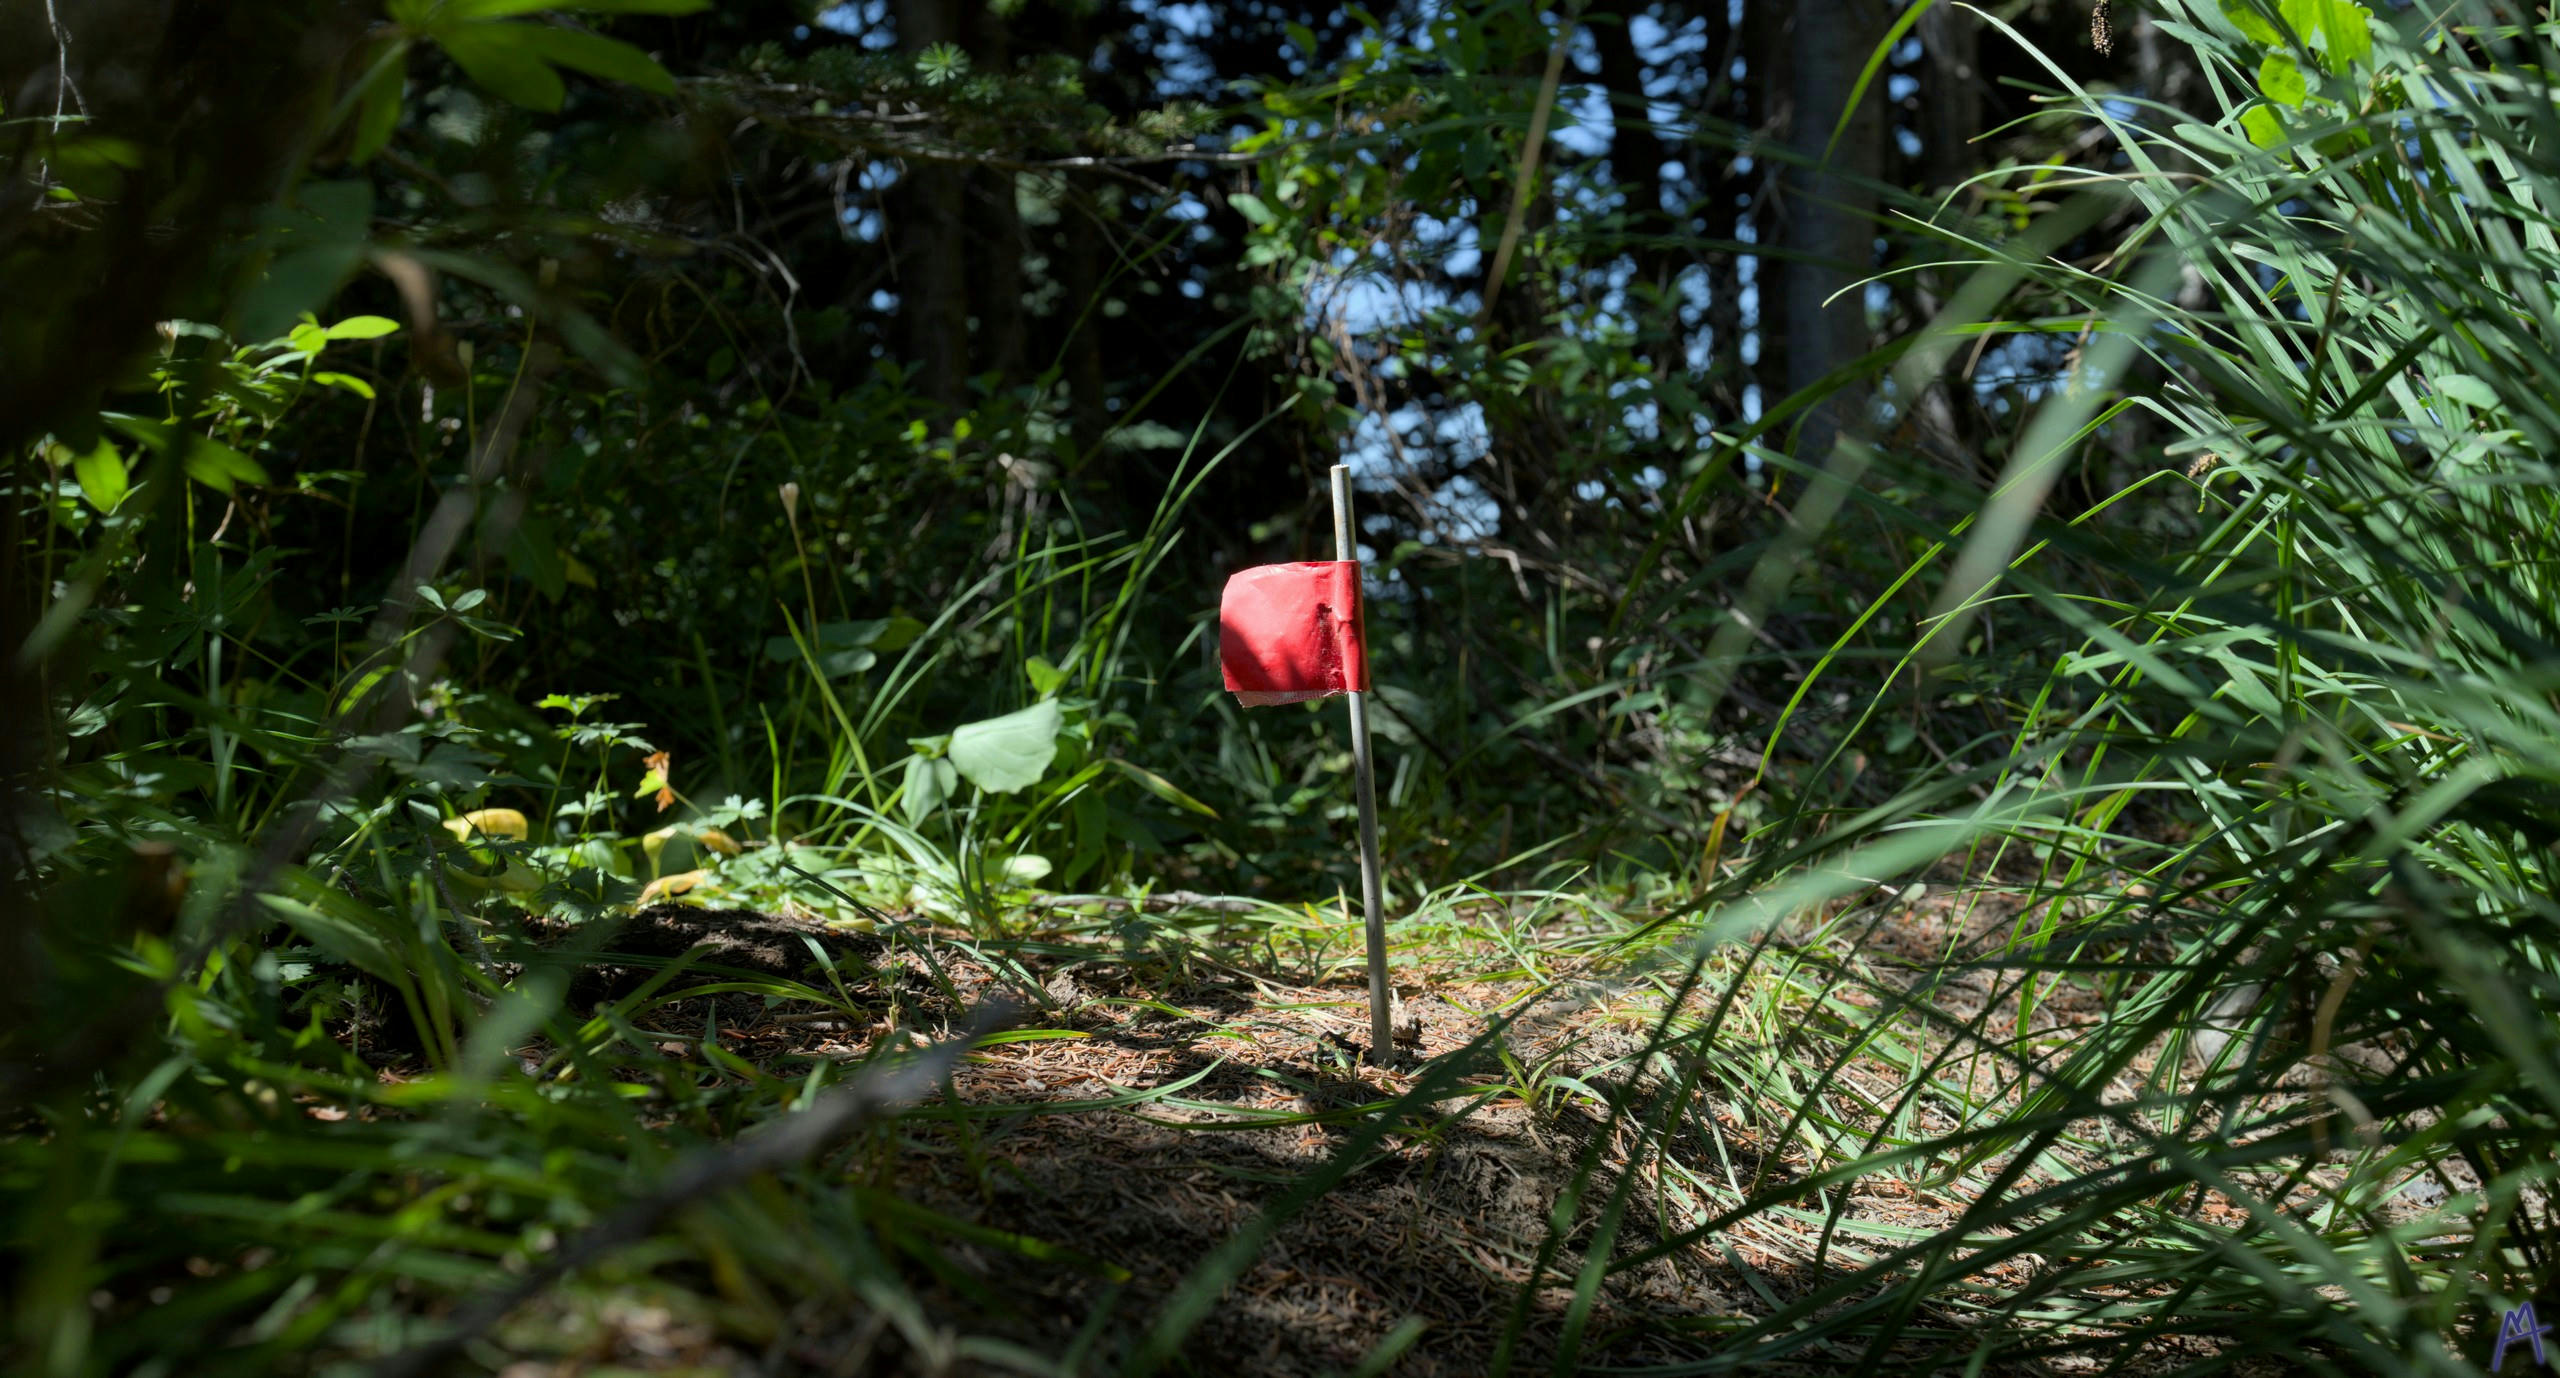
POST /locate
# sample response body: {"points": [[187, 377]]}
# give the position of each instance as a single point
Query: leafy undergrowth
{"points": [[1175, 1156]]}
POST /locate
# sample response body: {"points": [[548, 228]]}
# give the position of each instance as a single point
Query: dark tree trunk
{"points": [[1082, 279], [926, 217], [995, 286], [1768, 100], [1828, 214], [1950, 94]]}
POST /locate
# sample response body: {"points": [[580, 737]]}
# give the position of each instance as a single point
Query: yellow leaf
{"points": [[506, 823], [718, 841], [656, 842], [677, 884]]}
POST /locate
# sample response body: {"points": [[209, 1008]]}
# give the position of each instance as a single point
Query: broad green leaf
{"points": [[1001, 755], [2264, 128], [102, 477], [896, 634], [2338, 27], [2245, 17], [499, 57], [218, 467], [2469, 391], [598, 56], [930, 780], [378, 110], [2282, 80], [363, 328], [1026, 868], [1250, 207], [1045, 677]]}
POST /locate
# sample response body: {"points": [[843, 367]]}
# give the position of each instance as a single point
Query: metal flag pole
{"points": [[1372, 897]]}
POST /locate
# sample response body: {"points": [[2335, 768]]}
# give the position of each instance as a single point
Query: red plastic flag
{"points": [[1289, 633]]}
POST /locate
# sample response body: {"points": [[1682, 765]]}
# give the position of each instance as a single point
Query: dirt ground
{"points": [[1131, 1142]]}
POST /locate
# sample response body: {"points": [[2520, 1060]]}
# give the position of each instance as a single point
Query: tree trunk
{"points": [[1950, 94], [1828, 209], [926, 218]]}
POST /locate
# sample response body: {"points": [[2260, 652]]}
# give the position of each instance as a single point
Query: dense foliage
{"points": [[1978, 589]]}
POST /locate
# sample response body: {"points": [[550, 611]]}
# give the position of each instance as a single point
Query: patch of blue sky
{"points": [[865, 21], [1167, 31], [1583, 122], [1695, 296], [1370, 304], [1641, 420], [1459, 510]]}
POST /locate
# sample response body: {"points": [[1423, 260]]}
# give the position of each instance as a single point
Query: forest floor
{"points": [[1179, 1077]]}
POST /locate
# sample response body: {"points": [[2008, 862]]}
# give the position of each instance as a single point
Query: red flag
{"points": [[1289, 633]]}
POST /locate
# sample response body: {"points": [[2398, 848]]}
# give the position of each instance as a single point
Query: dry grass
{"points": [[1178, 1087]]}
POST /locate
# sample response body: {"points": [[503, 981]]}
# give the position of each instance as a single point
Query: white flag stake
{"points": [[1372, 897]]}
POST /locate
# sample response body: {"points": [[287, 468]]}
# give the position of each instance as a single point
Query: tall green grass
{"points": [[2278, 812]]}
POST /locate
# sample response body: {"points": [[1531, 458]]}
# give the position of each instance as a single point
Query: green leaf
{"points": [[2461, 387], [1025, 868], [1250, 207], [930, 780], [598, 56], [2282, 80], [363, 328], [897, 633], [2265, 129], [501, 9], [1161, 787], [1001, 755], [2244, 16], [218, 466], [102, 477], [344, 930], [842, 648], [348, 381], [534, 552], [378, 113], [1045, 677], [498, 57], [2337, 27]]}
